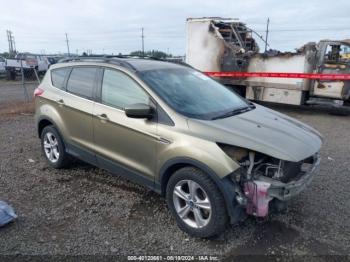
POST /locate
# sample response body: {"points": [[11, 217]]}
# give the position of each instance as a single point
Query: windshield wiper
{"points": [[234, 112]]}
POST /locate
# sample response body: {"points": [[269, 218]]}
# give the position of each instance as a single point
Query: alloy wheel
{"points": [[192, 203], [51, 147]]}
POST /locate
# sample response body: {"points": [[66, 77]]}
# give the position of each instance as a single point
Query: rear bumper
{"points": [[286, 191]]}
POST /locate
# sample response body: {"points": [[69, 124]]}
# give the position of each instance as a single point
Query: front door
{"points": [[124, 145]]}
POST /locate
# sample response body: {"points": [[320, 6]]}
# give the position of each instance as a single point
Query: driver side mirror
{"points": [[139, 111]]}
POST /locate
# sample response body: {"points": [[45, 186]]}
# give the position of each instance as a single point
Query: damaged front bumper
{"points": [[286, 191]]}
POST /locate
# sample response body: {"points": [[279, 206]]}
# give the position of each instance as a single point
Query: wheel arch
{"points": [[225, 184], [45, 121]]}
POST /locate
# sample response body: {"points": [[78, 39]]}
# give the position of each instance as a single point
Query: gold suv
{"points": [[213, 155]]}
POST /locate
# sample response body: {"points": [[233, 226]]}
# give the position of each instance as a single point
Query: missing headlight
{"points": [[234, 152]]}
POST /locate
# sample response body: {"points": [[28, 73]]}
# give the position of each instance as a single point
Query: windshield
{"points": [[192, 93]]}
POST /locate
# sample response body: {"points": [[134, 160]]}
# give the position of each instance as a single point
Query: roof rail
{"points": [[118, 60], [167, 60]]}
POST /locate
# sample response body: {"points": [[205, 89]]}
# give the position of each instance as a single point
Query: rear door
{"points": [[125, 145], [76, 105]]}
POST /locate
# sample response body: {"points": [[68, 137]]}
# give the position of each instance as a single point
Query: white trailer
{"points": [[278, 90], [227, 45]]}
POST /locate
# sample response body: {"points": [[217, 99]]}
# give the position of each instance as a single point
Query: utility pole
{"points": [[267, 33], [11, 41], [14, 44], [143, 44], [67, 44]]}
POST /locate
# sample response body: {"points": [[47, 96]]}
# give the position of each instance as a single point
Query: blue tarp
{"points": [[7, 214]]}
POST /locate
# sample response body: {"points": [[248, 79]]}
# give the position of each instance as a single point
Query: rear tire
{"points": [[200, 212], [53, 148], [10, 75]]}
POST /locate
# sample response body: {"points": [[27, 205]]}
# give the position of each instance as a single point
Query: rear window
{"points": [[81, 81], [58, 76]]}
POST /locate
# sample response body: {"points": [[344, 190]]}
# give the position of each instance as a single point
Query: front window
{"points": [[192, 93], [337, 53], [119, 90]]}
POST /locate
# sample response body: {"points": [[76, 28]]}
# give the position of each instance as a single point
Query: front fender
{"points": [[199, 150]]}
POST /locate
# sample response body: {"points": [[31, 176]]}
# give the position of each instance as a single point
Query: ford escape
{"points": [[213, 155]]}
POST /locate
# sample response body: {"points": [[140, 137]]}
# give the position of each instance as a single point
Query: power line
{"points": [[307, 30], [158, 34]]}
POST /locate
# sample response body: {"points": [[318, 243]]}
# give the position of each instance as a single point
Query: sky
{"points": [[114, 26]]}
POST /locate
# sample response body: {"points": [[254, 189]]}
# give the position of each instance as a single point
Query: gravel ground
{"points": [[85, 210]]}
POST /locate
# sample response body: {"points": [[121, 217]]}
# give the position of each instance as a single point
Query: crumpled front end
{"points": [[286, 191], [262, 178]]}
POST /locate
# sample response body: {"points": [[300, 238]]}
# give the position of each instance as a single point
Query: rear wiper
{"points": [[233, 112]]}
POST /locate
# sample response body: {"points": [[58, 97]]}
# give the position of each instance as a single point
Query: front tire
{"points": [[53, 148], [196, 203]]}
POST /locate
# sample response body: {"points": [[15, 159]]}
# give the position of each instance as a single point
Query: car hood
{"points": [[262, 130]]}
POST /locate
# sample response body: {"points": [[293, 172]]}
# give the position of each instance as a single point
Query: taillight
{"points": [[38, 92]]}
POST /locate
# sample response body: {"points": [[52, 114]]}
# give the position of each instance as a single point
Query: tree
{"points": [[153, 53], [5, 54], [136, 53]]}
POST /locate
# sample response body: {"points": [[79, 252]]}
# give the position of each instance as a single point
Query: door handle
{"points": [[60, 102], [102, 117]]}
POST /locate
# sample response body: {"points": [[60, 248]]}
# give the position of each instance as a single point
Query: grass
{"points": [[4, 82], [17, 108]]}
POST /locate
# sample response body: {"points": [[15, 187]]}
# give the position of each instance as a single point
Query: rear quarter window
{"points": [[58, 76]]}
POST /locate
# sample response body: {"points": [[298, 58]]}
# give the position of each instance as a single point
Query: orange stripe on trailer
{"points": [[280, 75]]}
